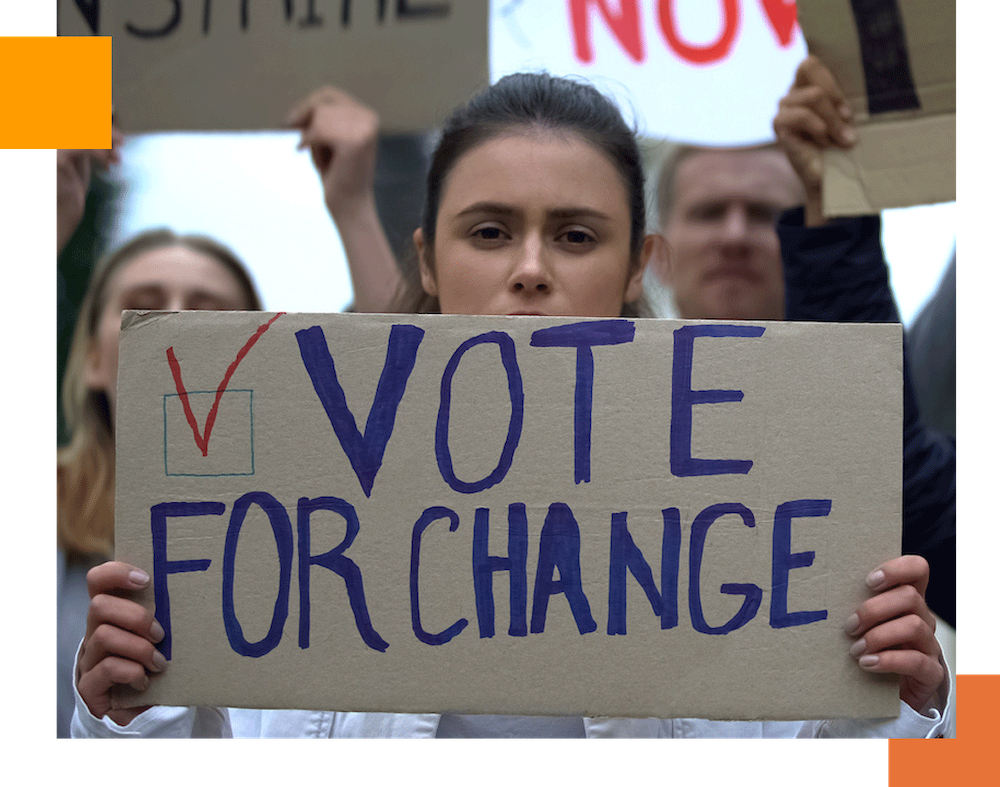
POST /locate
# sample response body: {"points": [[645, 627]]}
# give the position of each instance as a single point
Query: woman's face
{"points": [[533, 223], [173, 278]]}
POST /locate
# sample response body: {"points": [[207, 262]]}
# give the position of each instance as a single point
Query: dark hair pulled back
{"points": [[548, 103], [527, 102]]}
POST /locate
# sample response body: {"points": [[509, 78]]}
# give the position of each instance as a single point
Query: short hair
{"points": [[667, 181], [539, 101], [666, 185]]}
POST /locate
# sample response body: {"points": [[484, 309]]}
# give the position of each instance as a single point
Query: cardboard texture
{"points": [[895, 59], [513, 520], [192, 65]]}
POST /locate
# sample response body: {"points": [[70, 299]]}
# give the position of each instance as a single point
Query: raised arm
{"points": [[342, 135]]}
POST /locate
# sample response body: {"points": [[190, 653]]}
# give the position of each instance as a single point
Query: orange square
{"points": [[56, 92]]}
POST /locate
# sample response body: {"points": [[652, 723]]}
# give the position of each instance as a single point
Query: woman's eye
{"points": [[578, 237], [488, 234]]}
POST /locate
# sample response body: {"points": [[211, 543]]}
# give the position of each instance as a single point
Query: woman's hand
{"points": [[342, 135], [814, 115], [895, 630], [119, 647]]}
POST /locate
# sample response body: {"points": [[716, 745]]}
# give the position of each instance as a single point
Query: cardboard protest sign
{"points": [[425, 513], [895, 60], [194, 65], [708, 73]]}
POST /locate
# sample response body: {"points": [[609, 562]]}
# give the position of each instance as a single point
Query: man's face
{"points": [[725, 260]]}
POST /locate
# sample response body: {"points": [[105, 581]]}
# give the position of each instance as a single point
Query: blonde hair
{"points": [[85, 467]]}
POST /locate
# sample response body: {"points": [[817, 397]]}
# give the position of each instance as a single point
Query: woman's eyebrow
{"points": [[579, 212], [568, 212], [488, 207]]}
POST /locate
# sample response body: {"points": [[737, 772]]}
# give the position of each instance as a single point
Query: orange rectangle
{"points": [[970, 757], [56, 92]]}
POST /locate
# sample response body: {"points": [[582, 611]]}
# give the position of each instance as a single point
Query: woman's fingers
{"points": [[921, 673], [121, 628], [904, 570], [299, 115], [895, 629], [341, 135], [120, 644], [114, 576], [893, 603], [907, 632]]}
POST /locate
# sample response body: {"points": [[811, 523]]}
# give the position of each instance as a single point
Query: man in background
{"points": [[717, 209]]}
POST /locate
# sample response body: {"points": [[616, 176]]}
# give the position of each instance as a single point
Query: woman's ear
{"points": [[427, 280], [653, 246]]}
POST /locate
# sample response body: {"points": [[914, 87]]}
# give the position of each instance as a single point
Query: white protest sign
{"points": [[194, 65], [509, 515], [699, 71]]}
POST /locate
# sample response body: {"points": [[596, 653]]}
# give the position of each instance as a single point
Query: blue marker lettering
{"points": [[429, 515], [559, 548], [365, 452], [783, 560], [625, 555], [282, 529], [485, 565], [683, 400], [162, 567], [584, 336], [516, 391], [751, 593], [336, 561]]}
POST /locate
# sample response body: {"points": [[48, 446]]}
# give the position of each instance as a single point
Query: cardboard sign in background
{"points": [[895, 60], [199, 66], [241, 505]]}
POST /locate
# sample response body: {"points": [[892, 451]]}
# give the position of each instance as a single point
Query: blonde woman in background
{"points": [[157, 270]]}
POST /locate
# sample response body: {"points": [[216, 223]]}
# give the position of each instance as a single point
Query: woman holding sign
{"points": [[535, 206]]}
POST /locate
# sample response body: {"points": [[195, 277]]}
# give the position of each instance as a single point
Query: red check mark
{"points": [[202, 440]]}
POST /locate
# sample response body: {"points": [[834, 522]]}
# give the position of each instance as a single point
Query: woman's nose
{"points": [[531, 269]]}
